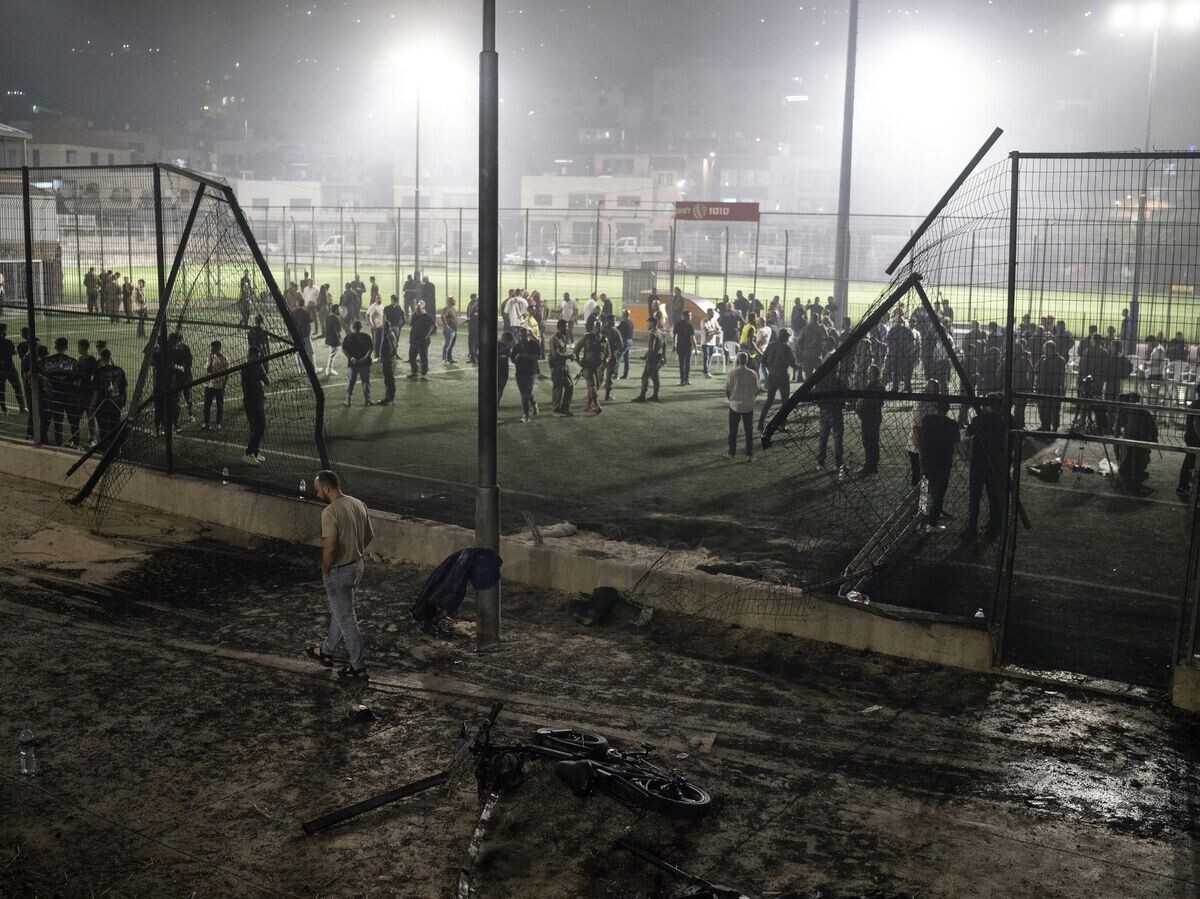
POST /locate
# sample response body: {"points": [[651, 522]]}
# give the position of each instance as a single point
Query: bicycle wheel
{"points": [[576, 742], [676, 798]]}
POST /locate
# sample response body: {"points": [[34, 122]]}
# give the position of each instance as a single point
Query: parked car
{"points": [[519, 258]]}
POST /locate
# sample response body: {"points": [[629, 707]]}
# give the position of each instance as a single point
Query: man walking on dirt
{"points": [[345, 535]]}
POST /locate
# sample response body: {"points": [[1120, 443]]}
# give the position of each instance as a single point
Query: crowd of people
{"points": [[765, 349]]}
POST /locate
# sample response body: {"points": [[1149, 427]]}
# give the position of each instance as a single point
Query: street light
{"points": [[1150, 15]]}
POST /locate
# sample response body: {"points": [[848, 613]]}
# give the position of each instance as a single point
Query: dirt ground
{"points": [[183, 737]]}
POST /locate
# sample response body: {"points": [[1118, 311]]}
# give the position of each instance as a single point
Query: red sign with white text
{"points": [[716, 212]]}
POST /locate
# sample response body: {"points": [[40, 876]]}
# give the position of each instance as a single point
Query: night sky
{"points": [[933, 78]]}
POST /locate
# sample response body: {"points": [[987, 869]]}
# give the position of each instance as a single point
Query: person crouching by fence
{"points": [[741, 388], [345, 535], [254, 402]]}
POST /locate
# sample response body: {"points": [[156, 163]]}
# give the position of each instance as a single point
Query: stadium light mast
{"points": [[841, 258], [487, 502], [1150, 15]]}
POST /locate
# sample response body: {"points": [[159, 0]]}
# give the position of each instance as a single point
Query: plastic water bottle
{"points": [[25, 747], [979, 616], [303, 488], [224, 477], [1058, 457]]}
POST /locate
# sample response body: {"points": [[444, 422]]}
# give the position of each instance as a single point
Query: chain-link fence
{"points": [[1008, 433], [142, 329]]}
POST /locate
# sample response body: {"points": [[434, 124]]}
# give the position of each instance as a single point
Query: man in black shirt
{"points": [[62, 373], [83, 400], [625, 329], [742, 305], [779, 362], [109, 392], [91, 284], [167, 372], [258, 338], [183, 358], [394, 315], [333, 337], [411, 292], [254, 383], [989, 435], [420, 330], [938, 438], [685, 340], [127, 299], [357, 348], [8, 370], [304, 325], [504, 347], [428, 294], [591, 351]]}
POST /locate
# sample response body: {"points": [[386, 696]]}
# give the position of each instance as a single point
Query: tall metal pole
{"points": [[396, 255], [35, 388], [1103, 281], [1143, 188], [78, 256], [525, 262], [674, 226], [417, 189], [460, 245], [786, 247], [971, 280], [596, 260], [841, 262], [341, 249], [487, 508], [757, 235], [725, 288], [160, 254]]}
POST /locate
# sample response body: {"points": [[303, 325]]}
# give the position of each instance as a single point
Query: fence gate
{"points": [[1100, 578]]}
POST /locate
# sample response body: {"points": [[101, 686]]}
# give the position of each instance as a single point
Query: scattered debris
{"points": [[871, 708], [597, 607]]}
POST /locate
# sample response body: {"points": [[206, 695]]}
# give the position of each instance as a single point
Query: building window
{"points": [[260, 203], [300, 203], [112, 159], [72, 157], [629, 201], [35, 157], [543, 200], [95, 157]]}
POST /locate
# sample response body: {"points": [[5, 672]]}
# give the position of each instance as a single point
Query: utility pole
{"points": [[487, 503], [841, 260]]}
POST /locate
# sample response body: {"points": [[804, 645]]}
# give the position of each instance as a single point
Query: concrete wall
{"points": [[1185, 688], [558, 568]]}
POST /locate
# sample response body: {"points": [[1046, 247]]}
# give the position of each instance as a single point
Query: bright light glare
{"points": [[1152, 15], [1124, 15], [1187, 15]]}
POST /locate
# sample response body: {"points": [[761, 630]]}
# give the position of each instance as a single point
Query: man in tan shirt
{"points": [[345, 535]]}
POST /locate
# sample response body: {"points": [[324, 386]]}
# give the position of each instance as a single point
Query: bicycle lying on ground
{"points": [[585, 762]]}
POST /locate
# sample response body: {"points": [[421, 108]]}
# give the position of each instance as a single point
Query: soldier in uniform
{"points": [[111, 296], [592, 353], [656, 350], [92, 285], [560, 373], [616, 348], [388, 347]]}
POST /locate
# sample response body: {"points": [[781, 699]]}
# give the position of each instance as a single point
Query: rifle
{"points": [[337, 816]]}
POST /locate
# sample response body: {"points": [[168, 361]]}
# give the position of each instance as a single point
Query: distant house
{"points": [[14, 146]]}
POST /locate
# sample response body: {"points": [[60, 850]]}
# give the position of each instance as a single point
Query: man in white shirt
{"points": [[515, 308], [569, 313], [589, 307], [711, 329], [1156, 359], [377, 320], [741, 390], [310, 292]]}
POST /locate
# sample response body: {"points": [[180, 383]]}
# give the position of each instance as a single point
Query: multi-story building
{"points": [[62, 142], [13, 146]]}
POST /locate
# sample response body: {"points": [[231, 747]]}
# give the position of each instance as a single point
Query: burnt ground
{"points": [[183, 737]]}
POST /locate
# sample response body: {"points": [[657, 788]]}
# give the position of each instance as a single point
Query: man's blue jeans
{"points": [[708, 354], [343, 623], [625, 356]]}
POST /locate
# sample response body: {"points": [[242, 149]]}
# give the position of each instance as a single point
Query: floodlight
{"points": [[1124, 15], [1152, 15], [1187, 15]]}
